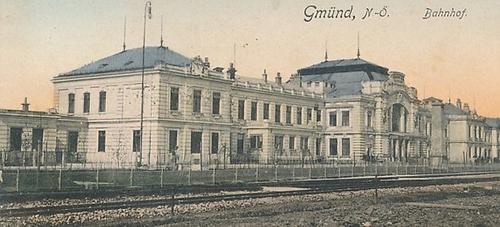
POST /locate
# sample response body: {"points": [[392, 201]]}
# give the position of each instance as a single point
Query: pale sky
{"points": [[441, 57]]}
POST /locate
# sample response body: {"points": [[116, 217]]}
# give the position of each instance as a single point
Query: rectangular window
{"points": [[369, 119], [101, 141], [346, 147], [102, 101], [333, 147], [309, 115], [318, 115], [16, 138], [240, 143], [214, 148], [216, 103], [278, 143], [277, 113], [72, 142], [174, 98], [256, 141], [299, 115], [197, 101], [196, 142], [333, 118], [345, 118], [86, 102], [172, 141], [253, 113], [71, 103], [241, 109], [291, 143], [136, 142], [288, 116], [265, 113], [304, 143], [318, 146], [37, 139]]}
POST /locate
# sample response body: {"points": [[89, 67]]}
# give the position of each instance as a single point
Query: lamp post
{"points": [[147, 10]]}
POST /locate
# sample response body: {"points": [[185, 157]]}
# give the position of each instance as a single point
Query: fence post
{"points": [[339, 170], [236, 174], [293, 173], [352, 170], [364, 169], [325, 171], [257, 173], [60, 179], [189, 175], [131, 177], [276, 173], [97, 178], [17, 180], [310, 171], [161, 177], [213, 175], [386, 168]]}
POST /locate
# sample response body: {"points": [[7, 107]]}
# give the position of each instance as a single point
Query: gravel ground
{"points": [[332, 209]]}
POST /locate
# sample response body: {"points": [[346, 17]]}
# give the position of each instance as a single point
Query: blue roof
{"points": [[450, 109], [347, 75], [493, 122], [132, 59]]}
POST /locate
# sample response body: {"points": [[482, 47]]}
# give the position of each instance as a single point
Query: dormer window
{"points": [[103, 65], [128, 63], [309, 84], [316, 83]]}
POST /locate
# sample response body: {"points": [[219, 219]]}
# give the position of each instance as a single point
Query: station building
{"points": [[344, 110]]}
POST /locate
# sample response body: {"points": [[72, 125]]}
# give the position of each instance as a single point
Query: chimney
{"points": [[278, 78], [231, 72], [264, 76], [26, 105], [206, 63], [459, 103], [466, 108]]}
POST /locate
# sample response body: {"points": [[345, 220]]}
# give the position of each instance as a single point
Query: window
{"points": [[333, 147], [304, 143], [101, 141], [37, 139], [172, 141], [288, 118], [277, 113], [309, 115], [265, 113], [291, 143], [316, 83], [136, 143], [71, 103], [214, 148], [318, 114], [278, 143], [174, 98], [318, 146], [345, 118], [72, 142], [197, 101], [216, 103], [240, 143], [299, 115], [196, 142], [256, 141], [241, 109], [369, 118], [333, 118], [102, 101], [346, 147], [253, 113], [86, 102], [16, 135]]}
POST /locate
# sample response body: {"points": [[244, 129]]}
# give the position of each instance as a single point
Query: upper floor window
{"points": [[71, 103], [241, 109], [345, 118], [174, 98], [288, 118], [265, 114], [197, 101], [216, 103], [299, 115], [309, 115], [102, 101], [369, 114], [86, 102], [318, 114], [333, 118], [277, 113], [316, 83], [253, 112]]}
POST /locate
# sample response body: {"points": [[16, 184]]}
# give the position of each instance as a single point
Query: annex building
{"points": [[345, 111]]}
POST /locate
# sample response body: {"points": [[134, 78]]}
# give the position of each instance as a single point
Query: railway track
{"points": [[316, 187]]}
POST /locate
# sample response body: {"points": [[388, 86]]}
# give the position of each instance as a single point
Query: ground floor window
{"points": [[333, 147], [101, 141], [16, 135], [240, 145], [172, 141], [37, 139], [214, 143], [196, 142], [256, 141], [318, 146], [346, 147], [72, 142]]}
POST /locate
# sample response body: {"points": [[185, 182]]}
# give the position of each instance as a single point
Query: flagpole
{"points": [[147, 10]]}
